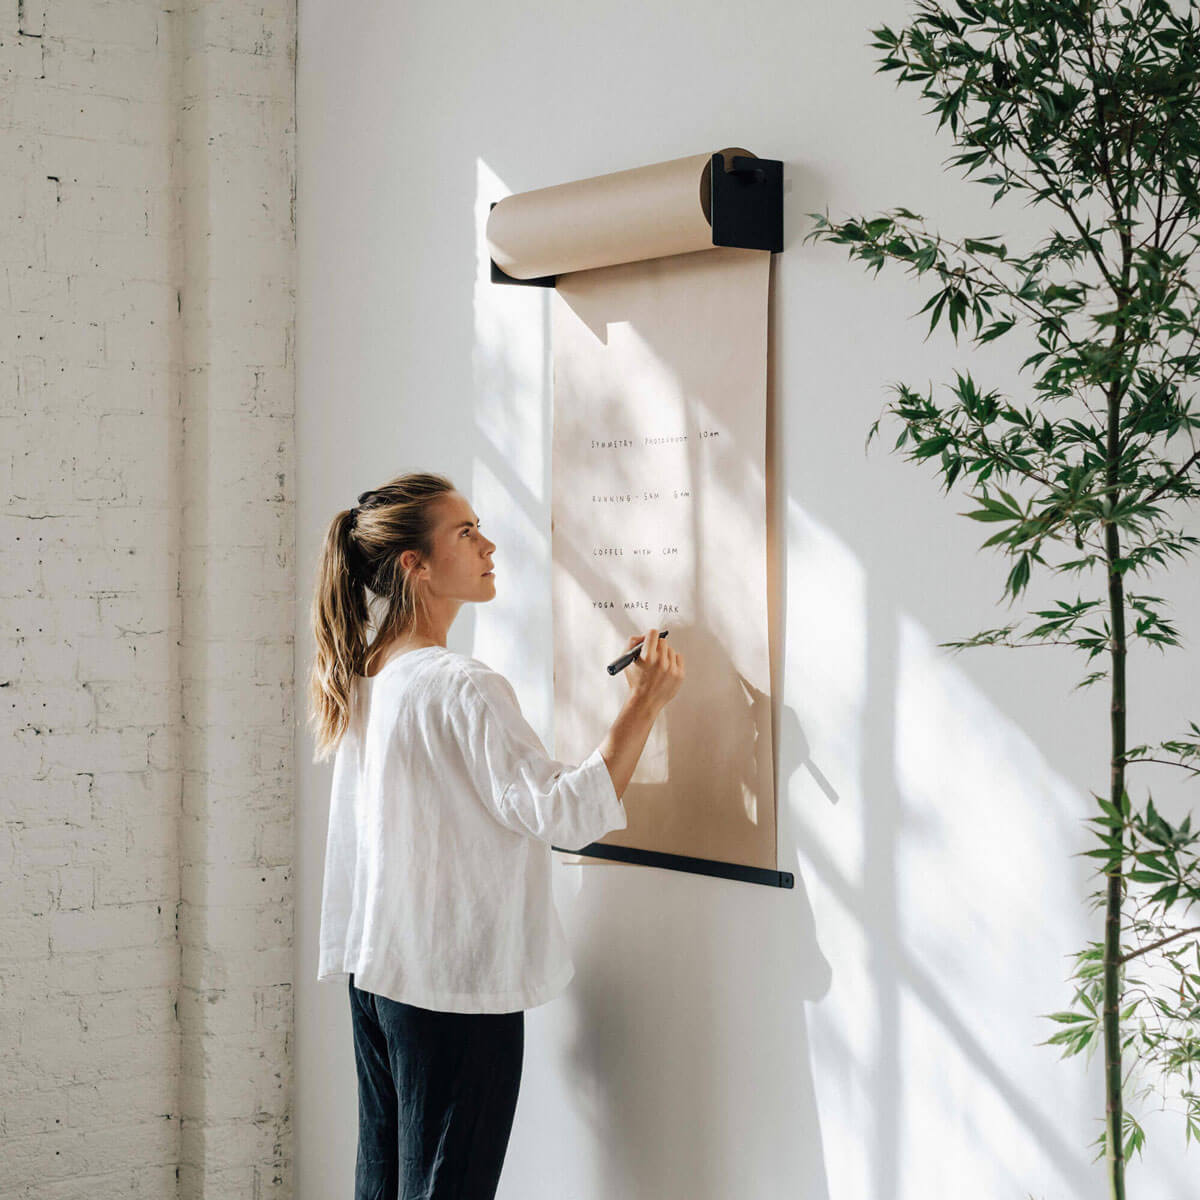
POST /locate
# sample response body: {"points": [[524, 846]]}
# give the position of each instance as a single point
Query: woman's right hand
{"points": [[657, 673]]}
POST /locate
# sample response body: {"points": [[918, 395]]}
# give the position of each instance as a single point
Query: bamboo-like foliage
{"points": [[1093, 108]]}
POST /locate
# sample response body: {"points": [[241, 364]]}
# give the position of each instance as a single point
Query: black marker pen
{"points": [[619, 664]]}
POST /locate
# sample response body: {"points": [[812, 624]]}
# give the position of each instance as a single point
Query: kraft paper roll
{"points": [[626, 216], [659, 513], [659, 517]]}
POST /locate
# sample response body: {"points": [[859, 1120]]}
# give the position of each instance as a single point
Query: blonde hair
{"points": [[360, 561]]}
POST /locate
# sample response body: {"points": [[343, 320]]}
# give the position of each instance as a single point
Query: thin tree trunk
{"points": [[1115, 1153], [1112, 919]]}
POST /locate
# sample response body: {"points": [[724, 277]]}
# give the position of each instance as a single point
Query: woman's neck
{"points": [[377, 655]]}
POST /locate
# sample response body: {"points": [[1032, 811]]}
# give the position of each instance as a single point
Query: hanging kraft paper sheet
{"points": [[659, 506]]}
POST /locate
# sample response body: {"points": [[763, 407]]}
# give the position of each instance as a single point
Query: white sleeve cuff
{"points": [[609, 809]]}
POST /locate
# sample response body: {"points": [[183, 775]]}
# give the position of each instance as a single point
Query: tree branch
{"points": [[1166, 483], [1155, 945]]}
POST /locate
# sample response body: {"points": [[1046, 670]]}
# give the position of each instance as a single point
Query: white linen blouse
{"points": [[443, 808]]}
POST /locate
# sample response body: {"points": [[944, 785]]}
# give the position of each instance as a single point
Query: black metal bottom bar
{"points": [[682, 862]]}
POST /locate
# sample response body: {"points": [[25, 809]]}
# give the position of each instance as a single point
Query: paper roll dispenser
{"points": [[728, 198]]}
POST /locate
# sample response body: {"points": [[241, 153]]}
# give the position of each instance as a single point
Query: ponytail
{"points": [[359, 562]]}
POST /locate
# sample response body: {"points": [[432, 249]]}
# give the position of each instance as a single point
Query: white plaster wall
{"points": [[871, 1034]]}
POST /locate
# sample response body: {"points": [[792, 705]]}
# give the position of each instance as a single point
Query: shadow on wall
{"points": [[872, 1033]]}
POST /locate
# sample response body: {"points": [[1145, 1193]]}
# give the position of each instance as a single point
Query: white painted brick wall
{"points": [[146, 587]]}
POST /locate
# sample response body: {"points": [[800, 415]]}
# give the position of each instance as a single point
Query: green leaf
{"points": [[932, 445], [1069, 1016], [997, 329], [1018, 577], [978, 246]]}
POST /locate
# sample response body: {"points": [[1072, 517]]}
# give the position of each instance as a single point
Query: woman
{"points": [[437, 905]]}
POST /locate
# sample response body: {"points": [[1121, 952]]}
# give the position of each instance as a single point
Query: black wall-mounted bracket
{"points": [[745, 209], [747, 202], [682, 862]]}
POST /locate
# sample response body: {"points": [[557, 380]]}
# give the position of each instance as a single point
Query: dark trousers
{"points": [[436, 1097]]}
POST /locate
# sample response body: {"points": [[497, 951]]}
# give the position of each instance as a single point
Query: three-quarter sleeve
{"points": [[525, 789]]}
